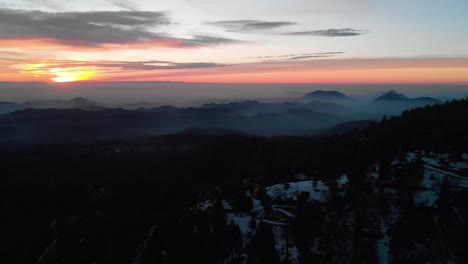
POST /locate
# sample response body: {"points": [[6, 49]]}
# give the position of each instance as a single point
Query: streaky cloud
{"points": [[201, 40], [309, 57], [301, 56], [124, 65], [127, 5], [250, 25], [343, 32]]}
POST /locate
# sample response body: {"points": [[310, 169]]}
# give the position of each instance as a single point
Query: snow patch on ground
{"points": [[283, 212], [436, 168], [426, 198], [257, 207], [226, 205], [411, 156], [439, 160], [203, 206], [208, 204], [460, 165], [375, 175], [286, 250], [342, 181], [454, 179], [318, 190], [273, 223], [431, 161], [243, 221], [429, 196], [383, 246], [433, 178]]}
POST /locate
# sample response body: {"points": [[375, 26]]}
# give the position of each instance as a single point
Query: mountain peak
{"points": [[79, 102], [78, 99], [320, 94], [392, 96], [327, 93]]}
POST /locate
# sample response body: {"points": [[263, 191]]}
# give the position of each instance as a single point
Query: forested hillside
{"points": [[395, 192]]}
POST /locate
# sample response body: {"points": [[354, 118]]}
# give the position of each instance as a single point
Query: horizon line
{"points": [[230, 83]]}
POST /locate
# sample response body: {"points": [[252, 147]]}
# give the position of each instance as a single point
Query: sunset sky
{"points": [[242, 41]]}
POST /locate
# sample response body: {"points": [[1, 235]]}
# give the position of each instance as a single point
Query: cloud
{"points": [[260, 25], [124, 4], [156, 65], [200, 40], [82, 28], [300, 56], [10, 53], [343, 32], [34, 4], [94, 29], [121, 65], [250, 25], [338, 64], [309, 57]]}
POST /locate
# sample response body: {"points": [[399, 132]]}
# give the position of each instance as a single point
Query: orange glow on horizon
{"points": [[70, 74], [352, 71], [382, 76], [378, 76], [55, 73]]}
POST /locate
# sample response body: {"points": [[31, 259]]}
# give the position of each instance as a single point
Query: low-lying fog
{"points": [[192, 94], [87, 111]]}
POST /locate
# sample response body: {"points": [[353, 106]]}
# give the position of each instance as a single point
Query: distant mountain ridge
{"points": [[75, 103], [139, 105], [8, 107], [80, 118], [63, 125], [256, 107], [394, 96]]}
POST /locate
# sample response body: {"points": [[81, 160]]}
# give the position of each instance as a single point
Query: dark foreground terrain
{"points": [[395, 192]]}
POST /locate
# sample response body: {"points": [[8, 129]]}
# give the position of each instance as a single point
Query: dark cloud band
{"points": [[96, 28]]}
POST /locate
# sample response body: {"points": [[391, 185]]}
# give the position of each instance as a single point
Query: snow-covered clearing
{"points": [[436, 168]]}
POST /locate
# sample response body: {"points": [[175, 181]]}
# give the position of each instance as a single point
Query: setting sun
{"points": [[55, 73], [70, 74]]}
